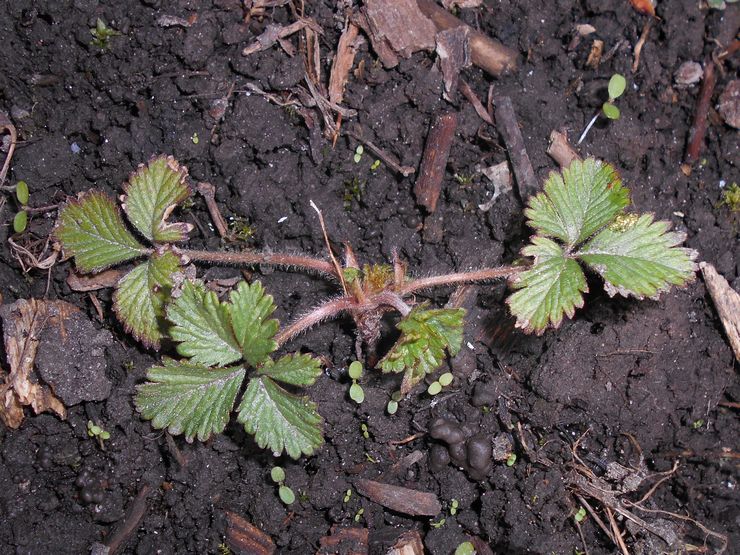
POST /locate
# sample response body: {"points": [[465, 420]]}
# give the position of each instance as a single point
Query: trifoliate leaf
{"points": [[141, 295], [575, 205], [203, 326], [638, 256], [152, 193], [91, 230], [293, 369], [189, 399], [250, 310], [280, 420], [421, 348], [551, 288]]}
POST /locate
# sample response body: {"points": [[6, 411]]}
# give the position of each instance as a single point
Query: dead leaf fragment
{"points": [[453, 49], [93, 282], [399, 26], [400, 499], [729, 104], [408, 543], [727, 302], [23, 322], [349, 540], [644, 6], [246, 539]]}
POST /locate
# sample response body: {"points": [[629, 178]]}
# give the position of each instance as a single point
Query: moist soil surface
{"points": [[643, 384]]}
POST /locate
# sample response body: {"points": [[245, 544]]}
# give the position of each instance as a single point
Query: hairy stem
{"points": [[391, 299], [460, 277], [250, 258], [322, 312]]}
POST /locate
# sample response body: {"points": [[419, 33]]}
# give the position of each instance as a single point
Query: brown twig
{"points": [[640, 43], [276, 33], [508, 126], [434, 160], [560, 150], [699, 125], [475, 101], [128, 526], [208, 192], [357, 133], [7, 125]]}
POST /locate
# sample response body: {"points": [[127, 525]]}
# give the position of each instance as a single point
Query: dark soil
{"points": [[657, 370]]}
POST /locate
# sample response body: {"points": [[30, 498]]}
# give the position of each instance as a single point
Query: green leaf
{"points": [[203, 326], [141, 295], [617, 85], [250, 308], [277, 474], [610, 110], [21, 192], [293, 369], [152, 193], [286, 495], [189, 399], [91, 230], [575, 205], [551, 288], [638, 256], [356, 393], [426, 334], [280, 420], [20, 221]]}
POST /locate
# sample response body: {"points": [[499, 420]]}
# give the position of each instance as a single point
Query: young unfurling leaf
{"points": [[426, 334], [584, 210]]}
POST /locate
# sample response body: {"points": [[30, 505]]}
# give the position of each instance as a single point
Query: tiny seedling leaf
{"points": [[280, 420], [20, 221], [551, 288], [617, 86], [277, 474], [203, 326], [152, 193], [293, 369], [355, 370], [91, 229], [426, 334], [250, 310], [189, 399], [21, 192], [638, 256], [141, 294], [610, 110], [574, 206], [286, 495], [356, 393]]}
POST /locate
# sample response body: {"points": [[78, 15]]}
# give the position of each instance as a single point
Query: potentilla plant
{"points": [[580, 224]]}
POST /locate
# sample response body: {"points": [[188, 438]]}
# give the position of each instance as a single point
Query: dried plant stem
{"points": [[474, 276], [250, 258]]}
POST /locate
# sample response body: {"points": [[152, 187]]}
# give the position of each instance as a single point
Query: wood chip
{"points": [[729, 104], [408, 543], [243, 538], [453, 50], [508, 126], [344, 58], [560, 150], [726, 301], [434, 160], [399, 499], [594, 56], [345, 540], [400, 25]]}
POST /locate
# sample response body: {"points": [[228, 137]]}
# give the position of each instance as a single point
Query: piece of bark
{"points": [[401, 26], [343, 61], [434, 160], [475, 101], [243, 538], [729, 104], [276, 33], [486, 53], [125, 528], [727, 302], [560, 150], [454, 54], [699, 125], [508, 126], [399, 499], [594, 56], [93, 282], [349, 541], [408, 543]]}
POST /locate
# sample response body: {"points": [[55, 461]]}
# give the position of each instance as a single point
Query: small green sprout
{"points": [[617, 86], [454, 504], [580, 515], [359, 514], [731, 198], [438, 524], [444, 380], [277, 474], [353, 190], [696, 424], [348, 496], [392, 407], [375, 165], [370, 458], [195, 138], [102, 34], [511, 459], [465, 548], [20, 221], [355, 390], [239, 229], [365, 431], [101, 435], [358, 154]]}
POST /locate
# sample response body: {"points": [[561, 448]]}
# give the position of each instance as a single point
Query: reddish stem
{"points": [[461, 277], [322, 312], [251, 258], [699, 126]]}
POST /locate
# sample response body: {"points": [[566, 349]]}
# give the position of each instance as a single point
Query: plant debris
{"points": [[400, 499], [727, 302]]}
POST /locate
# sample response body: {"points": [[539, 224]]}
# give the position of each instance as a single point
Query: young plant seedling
{"points": [[465, 548], [358, 154], [580, 224], [435, 388], [93, 430], [20, 221], [355, 390], [102, 34], [277, 474], [616, 87], [392, 406]]}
